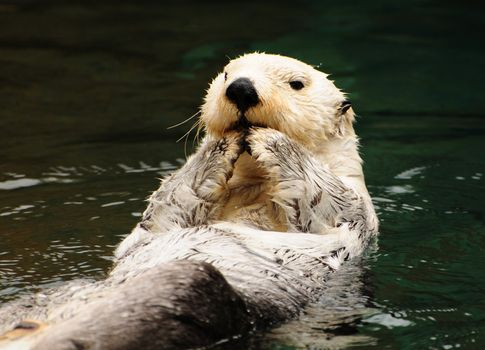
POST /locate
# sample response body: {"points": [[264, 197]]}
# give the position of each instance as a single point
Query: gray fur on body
{"points": [[183, 278]]}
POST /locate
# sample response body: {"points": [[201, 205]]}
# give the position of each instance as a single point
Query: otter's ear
{"points": [[345, 118], [344, 106]]}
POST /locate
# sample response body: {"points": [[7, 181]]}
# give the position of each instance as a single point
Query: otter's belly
{"points": [[264, 214], [249, 200]]}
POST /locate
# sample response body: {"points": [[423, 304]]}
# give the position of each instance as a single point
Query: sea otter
{"points": [[280, 154], [243, 235]]}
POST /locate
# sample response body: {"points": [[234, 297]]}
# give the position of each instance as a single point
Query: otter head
{"points": [[277, 92]]}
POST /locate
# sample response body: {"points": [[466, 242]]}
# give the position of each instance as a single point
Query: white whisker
{"points": [[188, 132], [186, 120]]}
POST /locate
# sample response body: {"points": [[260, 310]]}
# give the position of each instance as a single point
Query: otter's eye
{"points": [[296, 85], [225, 76]]}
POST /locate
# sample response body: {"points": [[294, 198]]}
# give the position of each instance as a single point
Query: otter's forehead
{"points": [[268, 63]]}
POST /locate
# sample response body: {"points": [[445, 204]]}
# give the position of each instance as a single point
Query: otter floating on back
{"points": [[271, 202], [280, 155]]}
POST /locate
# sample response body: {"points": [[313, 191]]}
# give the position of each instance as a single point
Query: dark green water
{"points": [[87, 90]]}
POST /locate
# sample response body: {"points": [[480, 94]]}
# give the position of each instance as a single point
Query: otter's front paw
{"points": [[231, 145], [277, 153], [267, 145]]}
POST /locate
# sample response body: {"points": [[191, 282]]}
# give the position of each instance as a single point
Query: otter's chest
{"points": [[250, 197]]}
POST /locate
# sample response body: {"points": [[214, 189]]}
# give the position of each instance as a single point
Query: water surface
{"points": [[88, 90]]}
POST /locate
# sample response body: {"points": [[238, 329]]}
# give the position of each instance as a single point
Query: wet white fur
{"points": [[256, 196]]}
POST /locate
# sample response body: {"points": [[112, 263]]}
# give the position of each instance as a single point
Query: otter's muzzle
{"points": [[242, 93]]}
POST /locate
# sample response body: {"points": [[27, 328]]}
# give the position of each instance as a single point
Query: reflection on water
{"points": [[332, 322], [88, 90]]}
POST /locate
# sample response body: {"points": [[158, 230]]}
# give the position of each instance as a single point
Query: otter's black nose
{"points": [[242, 93]]}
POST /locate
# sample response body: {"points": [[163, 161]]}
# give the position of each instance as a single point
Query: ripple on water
{"points": [[63, 175], [66, 175], [387, 320], [62, 260], [40, 251], [410, 173]]}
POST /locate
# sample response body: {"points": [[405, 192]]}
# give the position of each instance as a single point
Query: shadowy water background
{"points": [[88, 89]]}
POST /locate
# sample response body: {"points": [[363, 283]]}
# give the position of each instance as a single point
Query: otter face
{"points": [[277, 92]]}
